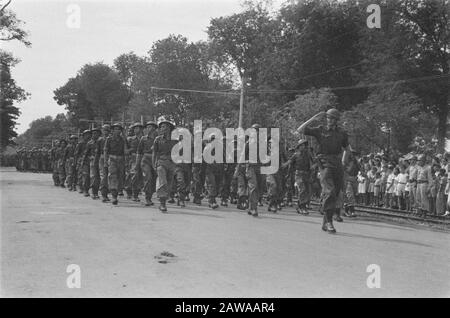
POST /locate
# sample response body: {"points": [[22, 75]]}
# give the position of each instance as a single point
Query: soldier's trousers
{"points": [[130, 172], [166, 171], [197, 179], [149, 175], [213, 175], [254, 184], [183, 179], [225, 188], [412, 196], [103, 170], [241, 181], [55, 174], [116, 168], [272, 188], [332, 182], [80, 174], [61, 171], [85, 177], [351, 191], [70, 171], [94, 171], [290, 186], [302, 182], [422, 201]]}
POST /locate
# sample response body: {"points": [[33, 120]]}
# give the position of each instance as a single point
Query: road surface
{"points": [[132, 250]]}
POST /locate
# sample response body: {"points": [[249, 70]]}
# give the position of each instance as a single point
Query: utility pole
{"points": [[241, 104]]}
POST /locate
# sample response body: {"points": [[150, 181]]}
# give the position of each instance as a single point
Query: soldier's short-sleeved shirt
{"points": [[115, 146], [162, 147], [146, 144], [330, 141], [133, 143], [300, 161]]}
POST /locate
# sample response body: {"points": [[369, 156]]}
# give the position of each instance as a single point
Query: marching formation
{"points": [[108, 162]]}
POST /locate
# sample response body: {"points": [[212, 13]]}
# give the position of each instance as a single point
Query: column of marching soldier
{"points": [[108, 163]]}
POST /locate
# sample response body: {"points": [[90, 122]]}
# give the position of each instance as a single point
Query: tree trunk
{"points": [[442, 121]]}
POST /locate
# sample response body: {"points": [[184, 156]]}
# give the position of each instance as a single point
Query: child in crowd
{"points": [[402, 178], [389, 187], [433, 189], [440, 197], [361, 187], [394, 198], [371, 175], [377, 189]]}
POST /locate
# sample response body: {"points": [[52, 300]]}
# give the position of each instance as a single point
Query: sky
{"points": [[107, 29]]}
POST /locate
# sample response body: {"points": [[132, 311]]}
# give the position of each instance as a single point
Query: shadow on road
{"points": [[381, 239]]}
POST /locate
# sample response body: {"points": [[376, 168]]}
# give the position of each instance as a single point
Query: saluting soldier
{"points": [[115, 150], [144, 160], [102, 166], [163, 163], [332, 141], [93, 151]]}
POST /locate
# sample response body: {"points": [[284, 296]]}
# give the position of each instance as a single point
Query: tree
{"points": [[10, 92], [96, 91]]}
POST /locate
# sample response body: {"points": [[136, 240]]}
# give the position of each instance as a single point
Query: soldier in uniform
{"points": [[213, 174], [412, 175], [53, 158], [61, 162], [182, 179], [163, 163], [300, 164], [133, 170], [290, 179], [115, 150], [102, 166], [351, 169], [82, 163], [144, 160], [331, 140], [69, 156], [92, 155]]}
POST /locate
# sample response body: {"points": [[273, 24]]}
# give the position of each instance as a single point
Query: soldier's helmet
{"points": [[333, 113], [106, 127], [165, 121], [256, 126], [301, 142], [137, 124], [87, 131], [73, 137], [119, 125], [151, 123], [96, 129]]}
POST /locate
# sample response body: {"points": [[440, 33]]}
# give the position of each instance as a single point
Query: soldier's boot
{"points": [[162, 205], [114, 195], [223, 202], [242, 203], [120, 193], [338, 215], [212, 203], [347, 211], [197, 200], [352, 212], [129, 193], [136, 197], [105, 196], [62, 185], [272, 207], [253, 212], [260, 202], [80, 190], [171, 200], [180, 201], [328, 222], [86, 193], [95, 195], [148, 201]]}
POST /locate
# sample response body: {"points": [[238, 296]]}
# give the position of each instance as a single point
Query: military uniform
{"points": [[115, 156], [145, 153], [301, 166], [351, 170], [424, 183], [54, 161], [61, 162], [102, 166], [331, 142], [93, 151], [133, 171], [69, 156]]}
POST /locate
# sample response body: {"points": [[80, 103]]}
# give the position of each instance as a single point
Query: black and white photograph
{"points": [[225, 154]]}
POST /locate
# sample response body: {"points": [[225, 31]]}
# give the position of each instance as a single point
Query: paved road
{"points": [[223, 253]]}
